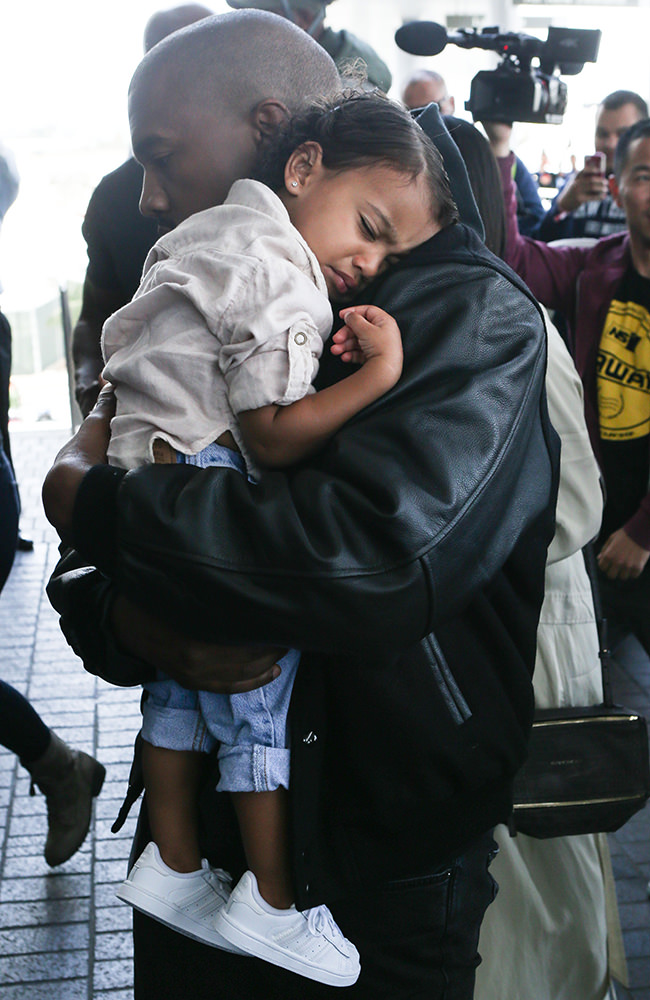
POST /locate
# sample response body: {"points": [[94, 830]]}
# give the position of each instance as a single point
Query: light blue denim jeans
{"points": [[251, 728]]}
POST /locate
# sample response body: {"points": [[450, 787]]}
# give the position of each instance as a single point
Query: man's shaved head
{"points": [[203, 101], [239, 59]]}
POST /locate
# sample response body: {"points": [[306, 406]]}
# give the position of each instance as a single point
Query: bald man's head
{"points": [[424, 87], [203, 100], [239, 59]]}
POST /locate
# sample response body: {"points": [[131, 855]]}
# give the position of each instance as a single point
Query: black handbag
{"points": [[588, 768]]}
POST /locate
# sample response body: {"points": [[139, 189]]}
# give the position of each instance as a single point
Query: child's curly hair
{"points": [[360, 130]]}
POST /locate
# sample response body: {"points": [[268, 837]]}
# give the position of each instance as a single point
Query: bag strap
{"points": [[604, 653]]}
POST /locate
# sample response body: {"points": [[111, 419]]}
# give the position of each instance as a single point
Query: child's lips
{"points": [[344, 283]]}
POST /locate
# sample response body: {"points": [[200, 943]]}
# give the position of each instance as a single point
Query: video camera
{"points": [[516, 91]]}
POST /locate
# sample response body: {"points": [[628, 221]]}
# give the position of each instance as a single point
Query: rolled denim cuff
{"points": [[253, 768], [175, 728]]}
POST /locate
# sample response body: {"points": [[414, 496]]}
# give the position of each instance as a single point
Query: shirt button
{"points": [[300, 338]]}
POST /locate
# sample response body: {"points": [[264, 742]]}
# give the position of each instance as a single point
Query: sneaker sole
{"points": [[171, 917], [251, 944]]}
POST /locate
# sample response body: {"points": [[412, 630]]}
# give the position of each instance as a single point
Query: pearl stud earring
{"points": [[294, 184]]}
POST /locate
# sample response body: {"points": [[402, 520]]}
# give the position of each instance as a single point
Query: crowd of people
{"points": [[316, 353]]}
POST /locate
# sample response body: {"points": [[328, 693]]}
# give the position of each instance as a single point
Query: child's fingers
{"points": [[373, 314], [359, 323], [348, 343], [355, 357]]}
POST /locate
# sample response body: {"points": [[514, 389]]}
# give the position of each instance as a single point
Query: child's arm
{"points": [[280, 435]]}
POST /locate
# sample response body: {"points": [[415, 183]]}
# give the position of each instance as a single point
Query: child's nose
{"points": [[370, 262]]}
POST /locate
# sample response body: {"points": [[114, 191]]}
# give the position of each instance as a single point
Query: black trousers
{"points": [[21, 728], [417, 938], [626, 606], [5, 373], [8, 516]]}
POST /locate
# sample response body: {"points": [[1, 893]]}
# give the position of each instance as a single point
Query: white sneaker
{"points": [[308, 943], [189, 902]]}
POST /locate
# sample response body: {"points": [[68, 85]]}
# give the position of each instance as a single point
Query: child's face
{"points": [[357, 222]]}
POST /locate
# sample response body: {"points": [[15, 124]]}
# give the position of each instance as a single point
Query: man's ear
{"points": [[305, 161], [614, 190], [267, 116]]}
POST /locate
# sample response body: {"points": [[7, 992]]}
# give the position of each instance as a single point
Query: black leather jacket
{"points": [[406, 560]]}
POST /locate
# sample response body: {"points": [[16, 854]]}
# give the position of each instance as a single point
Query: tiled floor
{"points": [[63, 935]]}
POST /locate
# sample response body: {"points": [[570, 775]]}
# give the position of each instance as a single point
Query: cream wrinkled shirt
{"points": [[231, 314]]}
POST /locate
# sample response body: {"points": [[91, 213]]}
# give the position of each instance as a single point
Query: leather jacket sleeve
{"points": [[397, 522], [83, 596]]}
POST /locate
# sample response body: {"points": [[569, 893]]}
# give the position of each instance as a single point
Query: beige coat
{"points": [[546, 935]]}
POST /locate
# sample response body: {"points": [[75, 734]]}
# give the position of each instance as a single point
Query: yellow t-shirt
{"points": [[623, 381], [623, 372]]}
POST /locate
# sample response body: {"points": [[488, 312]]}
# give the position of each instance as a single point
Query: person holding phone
{"points": [[585, 206]]}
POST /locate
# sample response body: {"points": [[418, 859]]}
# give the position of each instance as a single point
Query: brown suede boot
{"points": [[69, 780]]}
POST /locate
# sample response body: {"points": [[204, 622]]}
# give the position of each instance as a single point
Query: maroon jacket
{"points": [[580, 282]]}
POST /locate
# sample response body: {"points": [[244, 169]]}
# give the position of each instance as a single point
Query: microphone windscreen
{"points": [[421, 38]]}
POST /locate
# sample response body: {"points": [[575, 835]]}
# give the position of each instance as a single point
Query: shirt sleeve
{"points": [[551, 273], [531, 210], [101, 268], [276, 328], [9, 181], [580, 497]]}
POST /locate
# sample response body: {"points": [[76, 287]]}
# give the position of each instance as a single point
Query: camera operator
{"points": [[530, 210], [584, 206]]}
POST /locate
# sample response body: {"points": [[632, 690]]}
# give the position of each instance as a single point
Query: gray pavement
{"points": [[63, 935]]}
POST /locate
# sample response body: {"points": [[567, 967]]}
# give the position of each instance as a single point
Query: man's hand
{"points": [[200, 666], [587, 185], [97, 304], [621, 558], [86, 449], [370, 334], [88, 382]]}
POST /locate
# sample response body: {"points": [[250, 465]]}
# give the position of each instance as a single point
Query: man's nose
{"points": [[153, 200]]}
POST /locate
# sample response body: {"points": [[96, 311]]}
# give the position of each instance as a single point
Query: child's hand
{"points": [[369, 333]]}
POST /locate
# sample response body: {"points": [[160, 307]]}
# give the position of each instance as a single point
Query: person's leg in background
{"points": [[24, 544], [68, 778], [9, 507], [626, 608]]}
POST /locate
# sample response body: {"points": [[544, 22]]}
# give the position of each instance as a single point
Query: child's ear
{"points": [[305, 163]]}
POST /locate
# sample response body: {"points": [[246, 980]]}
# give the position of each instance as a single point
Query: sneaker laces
{"points": [[218, 875], [321, 922]]}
